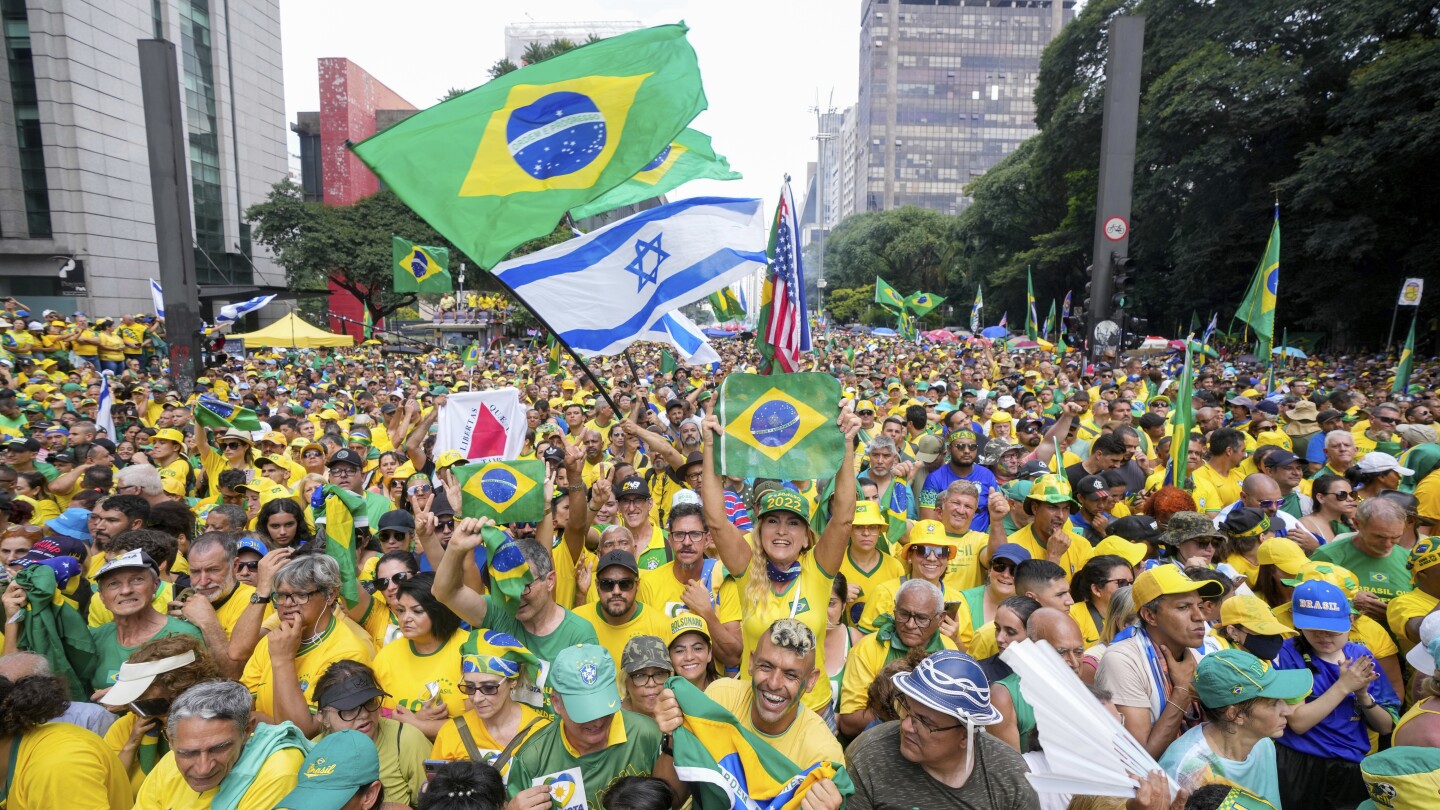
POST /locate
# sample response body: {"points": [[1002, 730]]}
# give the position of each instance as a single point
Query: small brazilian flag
{"points": [[419, 268], [509, 573], [922, 303], [501, 164], [553, 367], [505, 491], [472, 354], [780, 426], [688, 157], [726, 306]]}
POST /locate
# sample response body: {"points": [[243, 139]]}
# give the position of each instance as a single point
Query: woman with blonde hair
{"points": [[1120, 615], [784, 568]]}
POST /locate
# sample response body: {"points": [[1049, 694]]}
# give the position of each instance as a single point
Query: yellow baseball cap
{"points": [[1169, 580], [169, 435], [1251, 613], [1283, 553], [927, 533], [687, 622], [448, 458], [867, 513], [1132, 553]]}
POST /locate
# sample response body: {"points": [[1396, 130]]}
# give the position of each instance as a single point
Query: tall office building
{"points": [[74, 167], [946, 92]]}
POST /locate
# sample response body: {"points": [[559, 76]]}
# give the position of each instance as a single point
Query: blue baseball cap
{"points": [[252, 544], [1319, 605], [1014, 552]]}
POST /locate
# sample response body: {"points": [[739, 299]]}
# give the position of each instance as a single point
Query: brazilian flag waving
{"points": [[502, 164], [780, 426], [420, 268], [504, 491], [885, 295], [688, 157], [923, 303]]}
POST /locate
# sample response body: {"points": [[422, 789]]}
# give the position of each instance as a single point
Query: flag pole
{"points": [[1394, 314]]}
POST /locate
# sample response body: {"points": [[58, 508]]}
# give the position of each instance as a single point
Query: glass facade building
{"points": [[946, 92]]}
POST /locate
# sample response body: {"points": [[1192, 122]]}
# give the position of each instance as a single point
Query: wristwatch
{"points": [[667, 745], [257, 599]]}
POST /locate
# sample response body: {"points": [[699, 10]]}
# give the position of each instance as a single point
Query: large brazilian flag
{"points": [[502, 164]]}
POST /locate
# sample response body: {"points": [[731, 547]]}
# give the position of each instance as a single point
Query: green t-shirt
{"points": [[47, 470], [544, 759], [572, 630], [112, 654], [1385, 577]]}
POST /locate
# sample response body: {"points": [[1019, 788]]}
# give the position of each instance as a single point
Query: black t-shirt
{"points": [[886, 780], [1074, 473]]}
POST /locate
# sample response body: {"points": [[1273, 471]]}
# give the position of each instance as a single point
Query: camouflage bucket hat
{"points": [[1189, 526], [644, 652], [996, 448]]}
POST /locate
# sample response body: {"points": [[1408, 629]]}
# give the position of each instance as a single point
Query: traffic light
{"points": [[1121, 269]]}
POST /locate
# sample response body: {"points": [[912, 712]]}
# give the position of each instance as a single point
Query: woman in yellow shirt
{"points": [[493, 721], [49, 765], [31, 488], [784, 568], [419, 670], [112, 348]]}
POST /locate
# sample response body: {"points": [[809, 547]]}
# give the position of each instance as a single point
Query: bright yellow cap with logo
{"points": [[867, 513]]}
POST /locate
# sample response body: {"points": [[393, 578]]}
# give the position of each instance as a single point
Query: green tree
{"points": [[911, 248], [537, 52]]}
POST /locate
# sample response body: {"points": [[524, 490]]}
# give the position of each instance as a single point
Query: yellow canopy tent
{"points": [[292, 333]]}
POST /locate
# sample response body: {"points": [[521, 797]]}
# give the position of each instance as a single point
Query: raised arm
{"points": [[415, 440], [579, 523], [830, 551], [449, 587], [729, 542], [655, 443]]}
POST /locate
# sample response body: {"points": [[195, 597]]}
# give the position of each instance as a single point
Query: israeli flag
{"points": [[604, 290], [157, 296], [104, 418], [682, 333], [230, 313]]}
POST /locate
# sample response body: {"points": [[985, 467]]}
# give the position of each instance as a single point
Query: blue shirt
{"points": [[1343, 733], [1315, 450], [938, 481]]}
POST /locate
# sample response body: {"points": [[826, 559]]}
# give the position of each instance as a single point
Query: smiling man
{"points": [[1150, 674]]}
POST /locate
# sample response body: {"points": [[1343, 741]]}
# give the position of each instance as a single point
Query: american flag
{"points": [[784, 332]]}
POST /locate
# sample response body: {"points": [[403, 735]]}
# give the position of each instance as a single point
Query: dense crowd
{"points": [[181, 632]]}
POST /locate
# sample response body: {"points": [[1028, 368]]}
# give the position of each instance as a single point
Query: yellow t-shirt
{"points": [[1074, 558], [963, 571], [983, 645], [1214, 491], [111, 346], [118, 735], [87, 349], [1251, 571], [887, 569], [807, 598], [166, 788], [646, 622], [234, 606], [134, 332], [1427, 492], [1080, 612], [311, 661], [1409, 605], [807, 739], [862, 667], [404, 673], [659, 589], [46, 509], [449, 747], [63, 765]]}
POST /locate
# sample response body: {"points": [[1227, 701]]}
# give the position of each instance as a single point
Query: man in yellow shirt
{"points": [[1048, 535], [1217, 481], [1405, 612], [218, 748], [618, 616], [219, 599]]}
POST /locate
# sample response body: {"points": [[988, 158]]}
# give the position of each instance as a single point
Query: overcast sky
{"points": [[763, 63]]}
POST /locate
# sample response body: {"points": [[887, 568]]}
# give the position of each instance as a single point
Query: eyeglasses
{"points": [[369, 707], [231, 445], [1388, 420], [1342, 495], [294, 598], [959, 446], [1206, 542], [648, 678], [688, 537], [903, 710], [253, 565], [933, 552], [626, 584], [381, 583], [1120, 582], [920, 620], [489, 688], [342, 471]]}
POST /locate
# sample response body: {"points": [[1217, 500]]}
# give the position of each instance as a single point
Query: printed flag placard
{"points": [[780, 426], [505, 491], [482, 425]]}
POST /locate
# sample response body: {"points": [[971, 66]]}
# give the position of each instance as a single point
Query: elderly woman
{"points": [[350, 699], [645, 664], [290, 659], [784, 569], [430, 643], [158, 672], [493, 724], [916, 624]]}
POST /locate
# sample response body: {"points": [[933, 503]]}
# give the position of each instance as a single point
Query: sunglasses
{"points": [[389, 535], [231, 445], [627, 584], [1206, 542], [933, 552], [381, 583], [1272, 504], [253, 565], [1342, 495], [1388, 420], [1001, 566], [489, 689], [445, 523], [312, 454], [959, 446]]}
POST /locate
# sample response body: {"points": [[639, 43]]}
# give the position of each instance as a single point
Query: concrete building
{"points": [[74, 170], [946, 92], [519, 36]]}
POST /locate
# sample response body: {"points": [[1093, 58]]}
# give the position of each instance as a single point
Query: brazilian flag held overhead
{"points": [[504, 491], [688, 157], [501, 164], [780, 426], [419, 268]]}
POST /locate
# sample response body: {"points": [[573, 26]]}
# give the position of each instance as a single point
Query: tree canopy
{"points": [[1329, 106]]}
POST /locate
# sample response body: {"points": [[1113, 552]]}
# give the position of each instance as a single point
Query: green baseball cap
{"points": [[584, 677], [338, 766], [1051, 489], [1227, 677], [1242, 799], [783, 500], [1017, 489]]}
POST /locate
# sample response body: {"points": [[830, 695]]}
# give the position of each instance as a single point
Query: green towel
{"points": [[266, 740], [57, 631]]}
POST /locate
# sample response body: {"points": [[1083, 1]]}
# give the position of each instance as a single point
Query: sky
{"points": [[764, 63]]}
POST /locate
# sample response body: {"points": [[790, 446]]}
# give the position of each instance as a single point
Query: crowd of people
{"points": [[302, 617]]}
